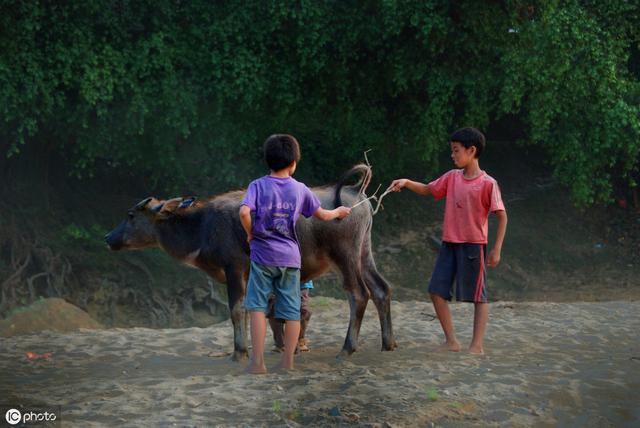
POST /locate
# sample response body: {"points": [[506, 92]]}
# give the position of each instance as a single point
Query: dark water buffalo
{"points": [[208, 235]]}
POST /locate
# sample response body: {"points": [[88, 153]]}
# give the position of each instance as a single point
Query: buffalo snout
{"points": [[114, 239]]}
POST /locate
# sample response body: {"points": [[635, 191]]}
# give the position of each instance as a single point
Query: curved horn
{"points": [[142, 204]]}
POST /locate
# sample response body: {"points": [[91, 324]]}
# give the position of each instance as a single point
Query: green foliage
{"points": [[581, 99], [92, 236], [73, 232], [184, 92]]}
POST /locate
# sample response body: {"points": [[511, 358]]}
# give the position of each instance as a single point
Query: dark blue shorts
{"points": [[464, 263]]}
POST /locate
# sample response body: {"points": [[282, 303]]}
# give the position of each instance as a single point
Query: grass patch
{"points": [[432, 394], [277, 407]]}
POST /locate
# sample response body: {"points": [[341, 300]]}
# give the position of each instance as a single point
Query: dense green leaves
{"points": [[186, 91], [580, 98]]}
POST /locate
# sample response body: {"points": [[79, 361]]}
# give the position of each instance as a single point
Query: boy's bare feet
{"points": [[451, 346], [283, 368], [476, 350], [256, 369]]}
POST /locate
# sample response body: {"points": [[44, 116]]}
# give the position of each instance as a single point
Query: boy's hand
{"points": [[494, 258], [328, 215], [397, 185], [342, 212], [249, 237]]}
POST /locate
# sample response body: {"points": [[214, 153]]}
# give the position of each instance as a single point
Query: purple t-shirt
{"points": [[278, 202]]}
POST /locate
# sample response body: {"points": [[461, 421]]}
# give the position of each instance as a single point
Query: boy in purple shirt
{"points": [[277, 200]]}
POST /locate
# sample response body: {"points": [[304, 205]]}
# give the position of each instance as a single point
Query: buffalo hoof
{"points": [[344, 354], [389, 346], [239, 356]]}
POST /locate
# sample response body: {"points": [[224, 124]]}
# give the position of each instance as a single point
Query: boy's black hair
{"points": [[280, 150], [469, 137]]}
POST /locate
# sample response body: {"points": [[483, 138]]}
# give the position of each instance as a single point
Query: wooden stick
{"points": [[366, 199], [379, 200], [374, 197]]}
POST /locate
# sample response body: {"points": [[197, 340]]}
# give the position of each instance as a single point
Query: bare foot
{"points": [[476, 350], [450, 346], [256, 369], [280, 368]]}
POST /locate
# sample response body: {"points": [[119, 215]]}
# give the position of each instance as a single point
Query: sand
{"points": [[547, 364]]}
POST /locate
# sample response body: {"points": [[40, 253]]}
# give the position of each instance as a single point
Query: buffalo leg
{"points": [[358, 298], [236, 291], [381, 295]]}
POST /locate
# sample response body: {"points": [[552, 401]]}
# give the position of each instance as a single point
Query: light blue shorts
{"points": [[283, 282]]}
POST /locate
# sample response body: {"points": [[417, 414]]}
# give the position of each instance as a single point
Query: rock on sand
{"points": [[46, 314]]}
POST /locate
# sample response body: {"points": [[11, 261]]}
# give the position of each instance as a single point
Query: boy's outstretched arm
{"points": [[245, 219], [414, 186], [494, 255], [326, 215]]}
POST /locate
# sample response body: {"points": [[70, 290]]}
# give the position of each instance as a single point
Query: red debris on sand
{"points": [[34, 356]]}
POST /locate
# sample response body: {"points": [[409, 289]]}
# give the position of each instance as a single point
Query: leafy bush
{"points": [[184, 92]]}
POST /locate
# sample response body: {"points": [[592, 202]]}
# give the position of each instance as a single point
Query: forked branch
{"points": [[374, 196]]}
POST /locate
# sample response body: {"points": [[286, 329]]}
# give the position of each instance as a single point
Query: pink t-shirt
{"points": [[468, 204]]}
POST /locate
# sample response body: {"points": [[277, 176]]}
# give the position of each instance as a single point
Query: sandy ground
{"points": [[547, 364]]}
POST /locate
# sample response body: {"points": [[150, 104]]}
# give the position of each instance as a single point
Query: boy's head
{"points": [[280, 151], [469, 137]]}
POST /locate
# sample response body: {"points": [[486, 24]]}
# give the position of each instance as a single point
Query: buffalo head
{"points": [[137, 230]]}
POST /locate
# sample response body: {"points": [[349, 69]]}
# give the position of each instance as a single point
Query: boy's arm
{"points": [[245, 219], [494, 255], [414, 186], [326, 215]]}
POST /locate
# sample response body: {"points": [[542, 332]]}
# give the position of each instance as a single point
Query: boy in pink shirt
{"points": [[471, 194]]}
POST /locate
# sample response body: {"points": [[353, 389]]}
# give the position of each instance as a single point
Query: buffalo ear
{"points": [[156, 208], [142, 204], [168, 208]]}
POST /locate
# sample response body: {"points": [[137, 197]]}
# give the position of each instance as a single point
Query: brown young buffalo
{"points": [[208, 235]]}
